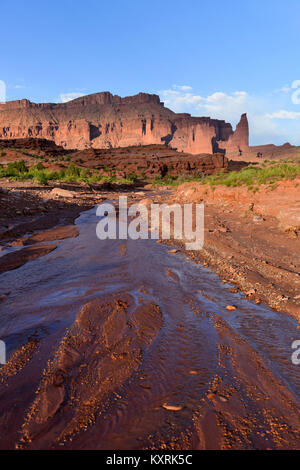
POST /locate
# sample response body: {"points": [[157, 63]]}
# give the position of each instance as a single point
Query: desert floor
{"points": [[123, 344]]}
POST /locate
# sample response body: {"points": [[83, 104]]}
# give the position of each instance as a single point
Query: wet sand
{"points": [[123, 345], [250, 250]]}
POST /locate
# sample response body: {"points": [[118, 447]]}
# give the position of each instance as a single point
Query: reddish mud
{"points": [[102, 350], [26, 208], [252, 240], [30, 216], [122, 345], [18, 258], [57, 233]]}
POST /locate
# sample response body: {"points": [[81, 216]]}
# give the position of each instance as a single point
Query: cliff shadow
{"points": [[216, 148]]}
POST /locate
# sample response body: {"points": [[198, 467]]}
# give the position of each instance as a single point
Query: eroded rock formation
{"points": [[103, 120], [147, 161], [151, 161]]}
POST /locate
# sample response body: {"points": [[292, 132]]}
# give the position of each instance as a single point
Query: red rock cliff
{"points": [[103, 120], [239, 140]]}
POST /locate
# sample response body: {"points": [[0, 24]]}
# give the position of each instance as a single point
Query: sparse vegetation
{"points": [[19, 171], [252, 176], [132, 177]]}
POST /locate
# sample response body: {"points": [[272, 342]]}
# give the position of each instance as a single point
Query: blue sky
{"points": [[217, 58]]}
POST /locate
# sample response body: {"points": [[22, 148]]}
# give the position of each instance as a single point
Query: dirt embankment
{"points": [[26, 208], [146, 162], [252, 239], [34, 215], [281, 201]]}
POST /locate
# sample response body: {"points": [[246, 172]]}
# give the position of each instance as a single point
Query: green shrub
{"points": [[251, 176], [41, 177], [15, 169], [39, 166], [132, 177], [255, 175], [72, 173]]}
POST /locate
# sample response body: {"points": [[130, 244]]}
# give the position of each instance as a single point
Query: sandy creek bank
{"points": [[119, 344]]}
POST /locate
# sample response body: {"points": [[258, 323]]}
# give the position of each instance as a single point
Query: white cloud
{"points": [[283, 114], [65, 97], [285, 89], [182, 87], [218, 104], [264, 130], [261, 111], [179, 100], [293, 90]]}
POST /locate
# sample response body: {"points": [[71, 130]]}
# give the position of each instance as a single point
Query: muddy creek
{"points": [[195, 376]]}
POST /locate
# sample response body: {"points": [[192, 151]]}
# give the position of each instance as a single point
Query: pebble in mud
{"points": [[250, 292], [210, 396], [223, 399], [233, 290], [146, 386], [172, 407], [230, 308]]}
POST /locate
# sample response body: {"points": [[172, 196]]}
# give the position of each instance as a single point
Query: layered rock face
{"points": [[147, 161], [151, 161], [103, 120]]}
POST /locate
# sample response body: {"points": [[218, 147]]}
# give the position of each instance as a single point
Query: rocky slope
{"points": [[103, 120], [146, 162]]}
